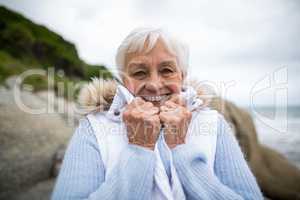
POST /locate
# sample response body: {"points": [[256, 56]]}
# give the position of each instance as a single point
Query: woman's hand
{"points": [[176, 118], [142, 123]]}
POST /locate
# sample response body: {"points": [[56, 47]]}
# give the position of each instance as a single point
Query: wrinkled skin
{"points": [[142, 122], [176, 118], [148, 75]]}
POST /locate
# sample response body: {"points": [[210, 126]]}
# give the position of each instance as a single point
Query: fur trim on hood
{"points": [[97, 95]]}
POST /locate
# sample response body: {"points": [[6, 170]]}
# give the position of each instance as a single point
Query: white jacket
{"points": [[111, 135]]}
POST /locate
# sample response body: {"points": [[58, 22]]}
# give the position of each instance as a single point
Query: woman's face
{"points": [[154, 76]]}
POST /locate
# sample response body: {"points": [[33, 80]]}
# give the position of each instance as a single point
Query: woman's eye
{"points": [[139, 74], [167, 71]]}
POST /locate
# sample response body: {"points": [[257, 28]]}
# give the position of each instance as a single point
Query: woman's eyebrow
{"points": [[137, 64], [167, 62]]}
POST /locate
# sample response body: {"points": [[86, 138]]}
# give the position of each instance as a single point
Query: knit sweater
{"points": [[82, 175]]}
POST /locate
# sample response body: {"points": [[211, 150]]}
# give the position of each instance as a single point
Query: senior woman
{"points": [[146, 140]]}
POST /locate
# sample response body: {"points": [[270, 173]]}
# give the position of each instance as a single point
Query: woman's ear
{"points": [[183, 80], [183, 77]]}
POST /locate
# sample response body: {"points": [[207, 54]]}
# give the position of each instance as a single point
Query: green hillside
{"points": [[26, 45]]}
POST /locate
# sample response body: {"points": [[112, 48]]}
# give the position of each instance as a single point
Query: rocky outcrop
{"points": [[276, 176], [28, 144]]}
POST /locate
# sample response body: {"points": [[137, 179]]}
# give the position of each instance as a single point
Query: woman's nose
{"points": [[154, 83]]}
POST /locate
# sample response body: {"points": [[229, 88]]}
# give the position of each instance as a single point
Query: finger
{"points": [[145, 107], [151, 111], [171, 104], [136, 112], [178, 99], [136, 102], [174, 97], [148, 105], [144, 112], [164, 108], [165, 117]]}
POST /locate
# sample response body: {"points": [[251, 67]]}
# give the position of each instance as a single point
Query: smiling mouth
{"points": [[156, 98]]}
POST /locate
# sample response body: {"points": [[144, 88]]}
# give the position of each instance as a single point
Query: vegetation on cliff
{"points": [[25, 45]]}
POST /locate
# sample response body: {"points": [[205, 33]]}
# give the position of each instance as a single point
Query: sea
{"points": [[279, 128]]}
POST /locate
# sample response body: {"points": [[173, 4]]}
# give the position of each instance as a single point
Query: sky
{"points": [[249, 51]]}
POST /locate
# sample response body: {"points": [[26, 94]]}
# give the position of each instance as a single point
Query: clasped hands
{"points": [[143, 121]]}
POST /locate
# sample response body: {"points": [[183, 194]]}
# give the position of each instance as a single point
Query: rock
{"points": [[28, 142], [276, 176], [40, 191]]}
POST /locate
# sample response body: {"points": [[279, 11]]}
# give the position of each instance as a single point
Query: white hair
{"points": [[135, 43]]}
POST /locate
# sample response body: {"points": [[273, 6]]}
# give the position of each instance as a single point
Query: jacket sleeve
{"points": [[82, 175], [231, 179]]}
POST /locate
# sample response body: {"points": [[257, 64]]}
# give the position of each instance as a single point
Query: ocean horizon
{"points": [[278, 128]]}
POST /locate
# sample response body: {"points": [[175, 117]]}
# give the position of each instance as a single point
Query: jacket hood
{"points": [[98, 94]]}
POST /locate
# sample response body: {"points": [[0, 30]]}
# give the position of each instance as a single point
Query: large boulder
{"points": [[41, 191], [276, 176], [28, 143]]}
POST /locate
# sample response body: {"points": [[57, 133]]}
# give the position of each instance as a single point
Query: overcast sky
{"points": [[254, 46]]}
